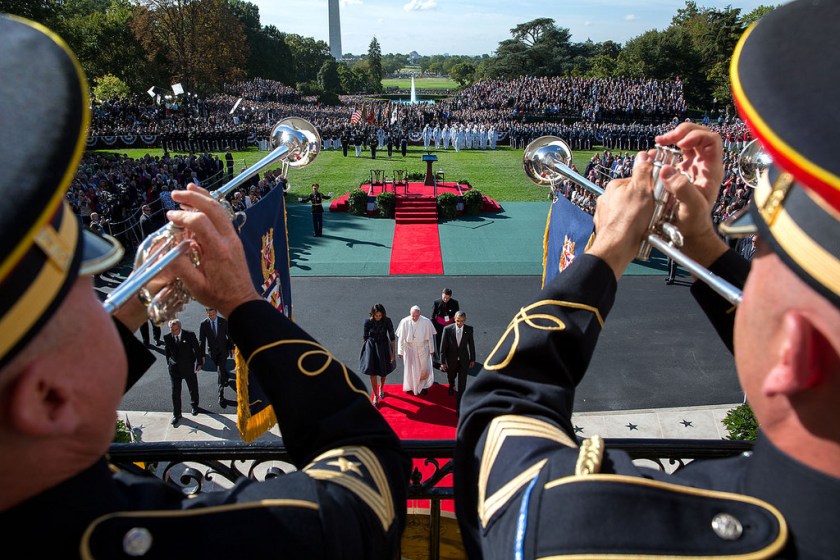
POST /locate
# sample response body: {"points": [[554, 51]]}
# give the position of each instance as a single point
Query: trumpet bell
{"points": [[300, 136], [752, 162], [541, 159]]}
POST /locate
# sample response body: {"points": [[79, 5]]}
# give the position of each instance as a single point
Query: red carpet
{"points": [[430, 416], [416, 249]]}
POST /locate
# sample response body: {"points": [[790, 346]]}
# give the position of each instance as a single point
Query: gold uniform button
{"points": [[137, 541], [727, 527]]}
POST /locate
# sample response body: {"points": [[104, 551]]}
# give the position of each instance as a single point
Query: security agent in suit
{"points": [[526, 487], [62, 379], [443, 314], [183, 357], [213, 333], [457, 355], [316, 198]]}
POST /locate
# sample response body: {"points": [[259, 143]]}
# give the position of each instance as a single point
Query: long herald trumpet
{"points": [[294, 141], [546, 161]]}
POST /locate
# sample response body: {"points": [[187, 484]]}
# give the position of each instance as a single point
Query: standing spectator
{"points": [[95, 224], [672, 271], [316, 198], [415, 345], [379, 354], [147, 221], [457, 355], [229, 163], [443, 314], [213, 333], [144, 332], [184, 358]]}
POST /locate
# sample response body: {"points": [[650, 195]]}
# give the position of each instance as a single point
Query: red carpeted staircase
{"points": [[416, 210]]}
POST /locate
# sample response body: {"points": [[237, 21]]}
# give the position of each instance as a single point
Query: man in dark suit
{"points": [[184, 357], [443, 314], [457, 355], [213, 332]]}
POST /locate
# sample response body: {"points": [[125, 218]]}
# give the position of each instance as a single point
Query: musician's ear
{"points": [[804, 356]]}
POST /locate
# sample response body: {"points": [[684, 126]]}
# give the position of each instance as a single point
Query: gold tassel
{"points": [[250, 426]]}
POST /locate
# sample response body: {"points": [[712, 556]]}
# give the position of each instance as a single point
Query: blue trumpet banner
{"points": [[568, 231], [265, 240]]}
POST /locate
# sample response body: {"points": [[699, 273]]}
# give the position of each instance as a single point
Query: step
{"points": [[409, 221]]}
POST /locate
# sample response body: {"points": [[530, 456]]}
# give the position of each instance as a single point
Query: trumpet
{"points": [[546, 161], [752, 162], [295, 142]]}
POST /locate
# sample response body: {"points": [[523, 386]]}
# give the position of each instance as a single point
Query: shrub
{"points": [[740, 422], [446, 206], [358, 200], [387, 204], [473, 202], [123, 433]]}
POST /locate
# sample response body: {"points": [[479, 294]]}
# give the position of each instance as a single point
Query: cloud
{"points": [[414, 5], [345, 3], [631, 17]]}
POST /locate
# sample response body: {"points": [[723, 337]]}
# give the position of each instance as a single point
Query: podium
{"points": [[430, 175]]}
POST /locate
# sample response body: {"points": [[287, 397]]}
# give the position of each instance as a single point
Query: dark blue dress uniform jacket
{"points": [[527, 488], [346, 501]]}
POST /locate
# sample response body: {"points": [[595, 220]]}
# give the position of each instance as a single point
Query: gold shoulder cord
{"points": [[590, 456]]}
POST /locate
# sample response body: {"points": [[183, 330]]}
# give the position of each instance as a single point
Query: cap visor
{"points": [[99, 253], [740, 224]]}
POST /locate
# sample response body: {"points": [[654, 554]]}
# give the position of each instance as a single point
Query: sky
{"points": [[473, 27]]}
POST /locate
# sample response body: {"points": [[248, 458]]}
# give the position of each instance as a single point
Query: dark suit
{"points": [[443, 314], [457, 357], [220, 346], [181, 357]]}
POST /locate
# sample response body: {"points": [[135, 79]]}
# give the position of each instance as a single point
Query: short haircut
{"points": [[447, 291], [413, 307], [460, 314]]}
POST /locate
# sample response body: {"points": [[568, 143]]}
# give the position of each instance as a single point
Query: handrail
{"points": [[232, 460]]}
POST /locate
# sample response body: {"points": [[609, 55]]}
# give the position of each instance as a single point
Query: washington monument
{"points": [[335, 30]]}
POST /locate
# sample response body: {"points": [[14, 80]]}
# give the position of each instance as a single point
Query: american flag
{"points": [[356, 117]]}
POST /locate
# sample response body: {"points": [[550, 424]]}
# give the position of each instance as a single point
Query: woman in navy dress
{"points": [[379, 356]]}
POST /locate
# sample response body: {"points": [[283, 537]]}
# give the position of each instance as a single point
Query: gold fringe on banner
{"points": [[251, 426]]}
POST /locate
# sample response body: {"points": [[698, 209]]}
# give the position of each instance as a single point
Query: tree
{"points": [[328, 79], [203, 42], [375, 65], [393, 63], [109, 87], [353, 79], [268, 55], [756, 14], [309, 55], [532, 32], [463, 73]]}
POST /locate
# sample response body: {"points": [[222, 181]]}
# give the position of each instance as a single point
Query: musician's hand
{"points": [[222, 280], [622, 216], [702, 156], [695, 183]]}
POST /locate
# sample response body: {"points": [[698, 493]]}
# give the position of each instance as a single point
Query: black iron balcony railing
{"points": [[205, 466]]}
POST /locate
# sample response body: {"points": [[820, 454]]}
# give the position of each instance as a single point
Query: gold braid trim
{"points": [[590, 456]]}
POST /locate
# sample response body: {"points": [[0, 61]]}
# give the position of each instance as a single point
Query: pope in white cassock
{"points": [[416, 346]]}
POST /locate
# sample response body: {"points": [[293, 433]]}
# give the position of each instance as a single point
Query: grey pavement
{"points": [[698, 422]]}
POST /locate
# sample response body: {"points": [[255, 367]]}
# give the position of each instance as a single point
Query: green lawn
{"points": [[497, 174], [420, 83]]}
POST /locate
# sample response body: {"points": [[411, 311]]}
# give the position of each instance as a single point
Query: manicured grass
{"points": [[420, 83], [497, 174]]}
